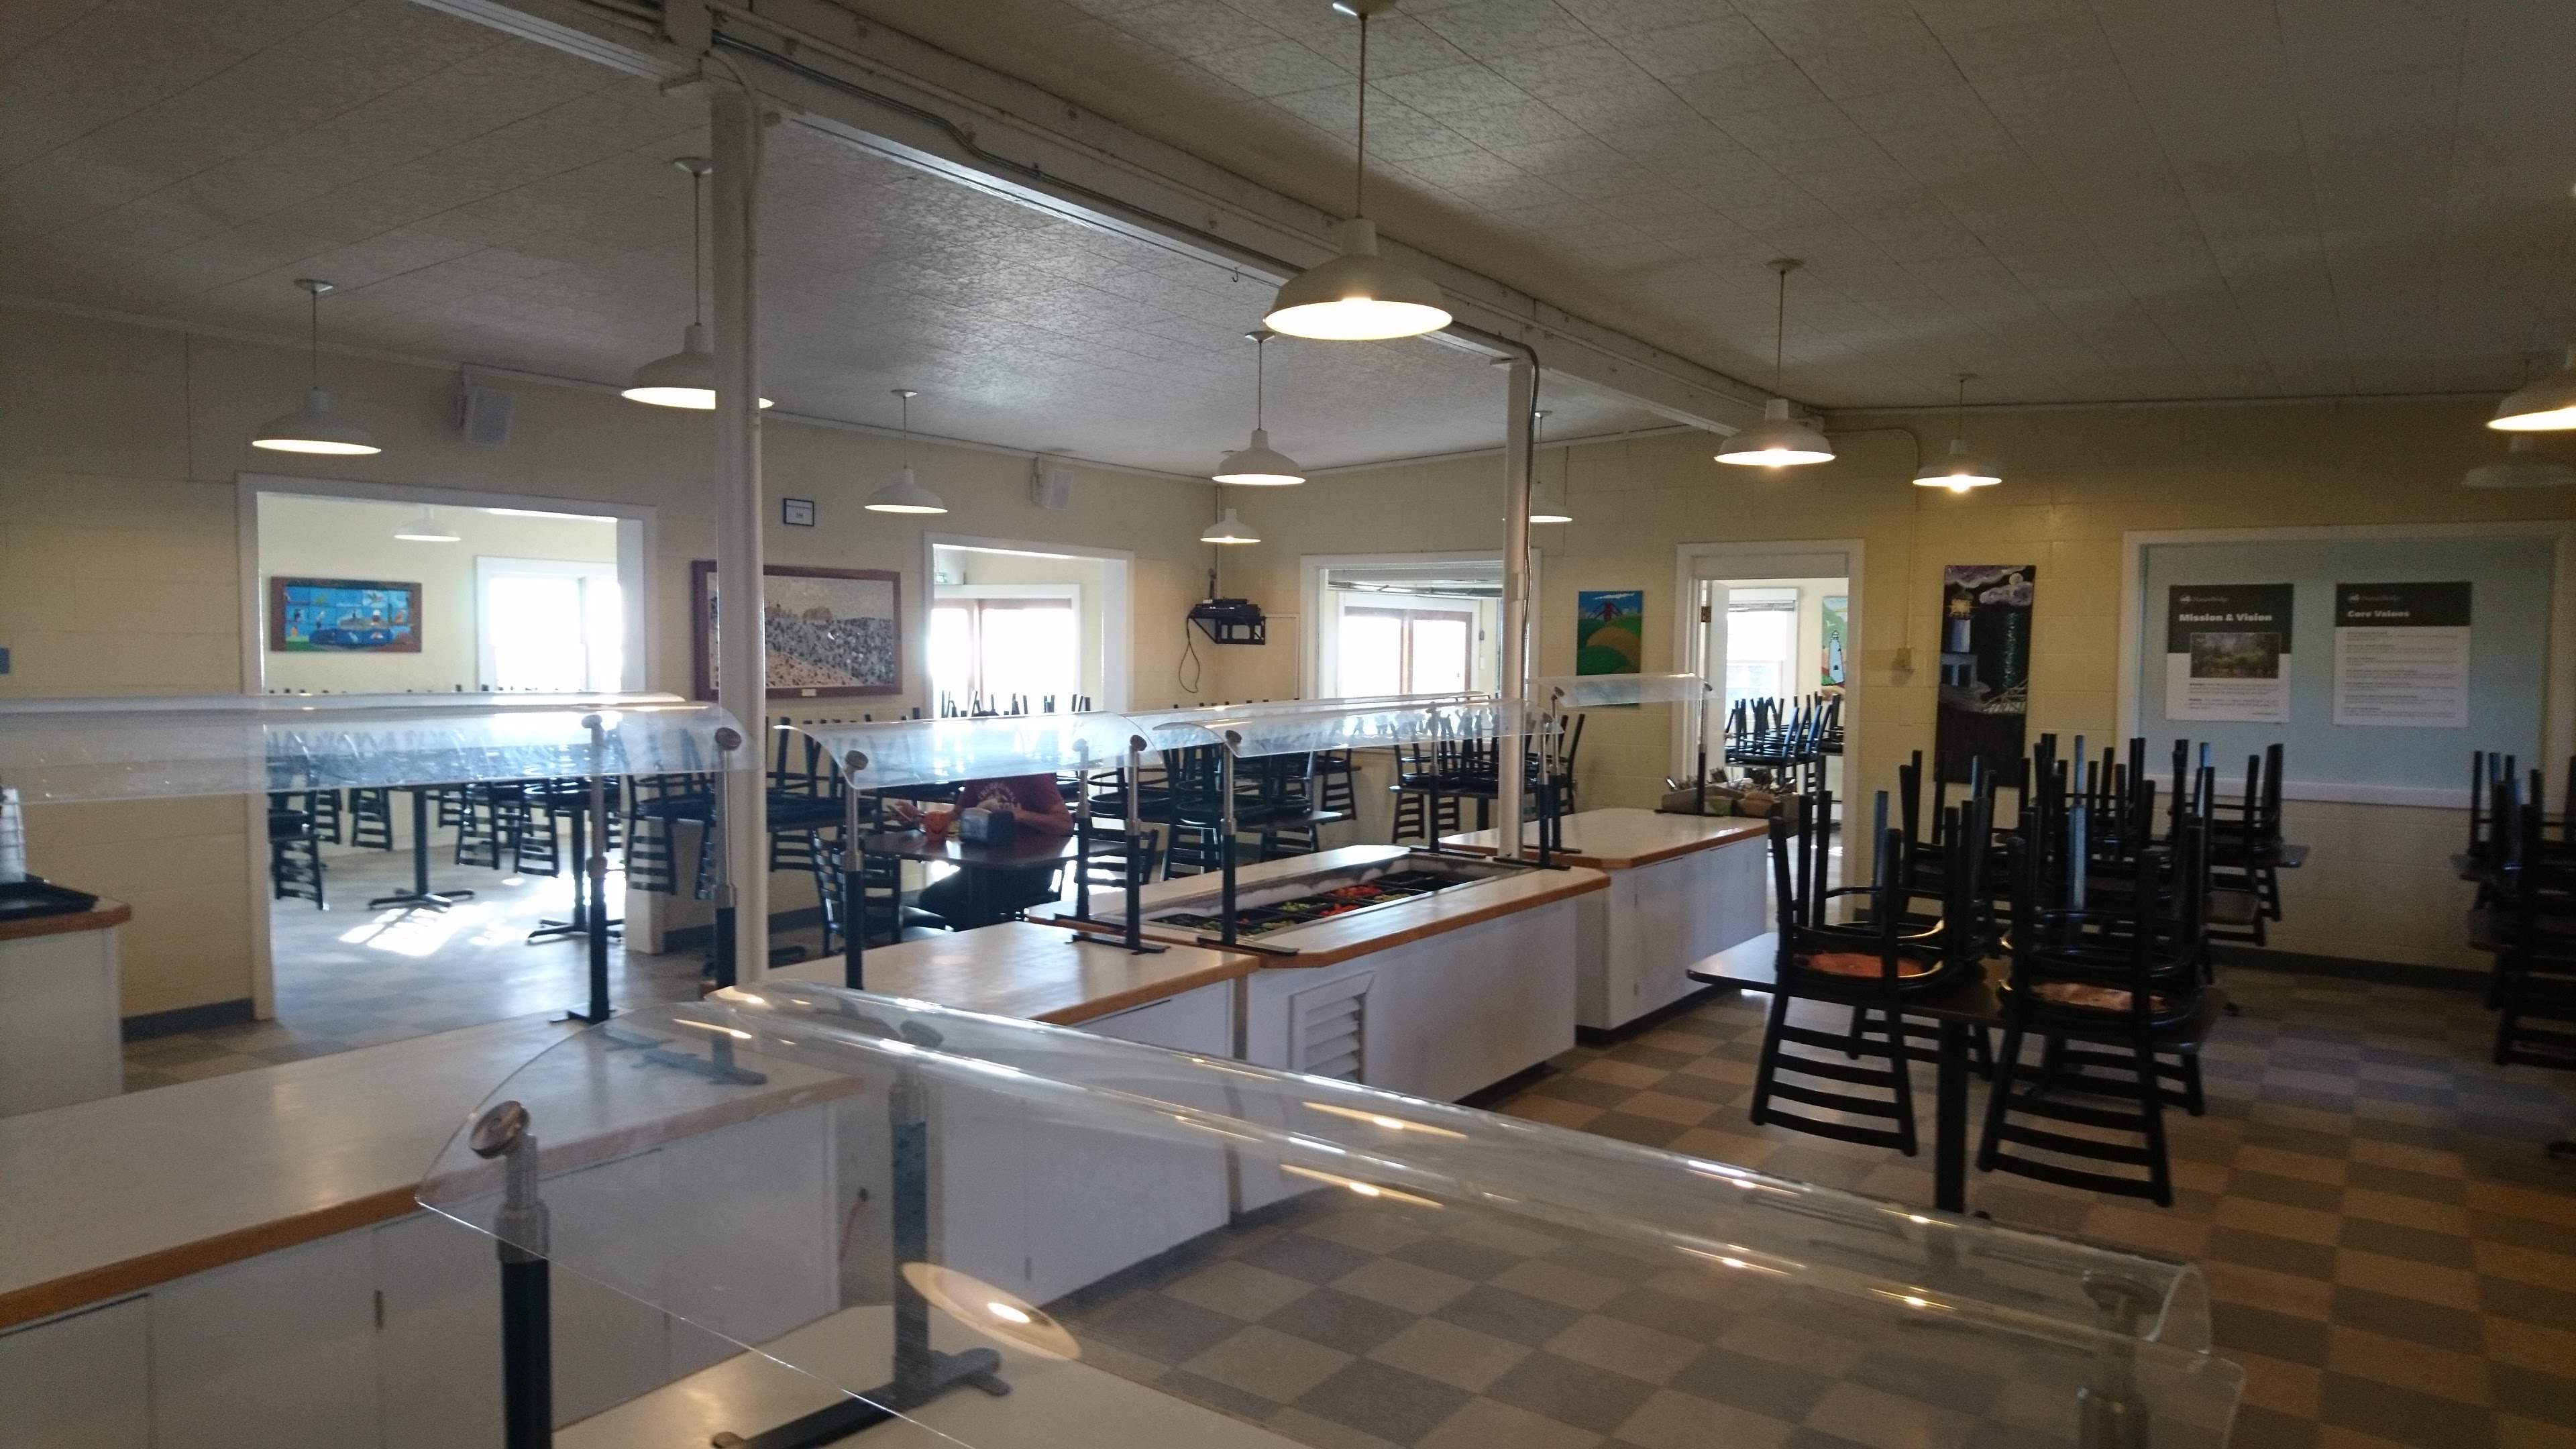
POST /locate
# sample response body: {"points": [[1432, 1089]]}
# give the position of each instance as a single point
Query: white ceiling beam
{"points": [[925, 108]]}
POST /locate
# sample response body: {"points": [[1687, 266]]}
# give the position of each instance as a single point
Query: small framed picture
{"points": [[796, 512]]}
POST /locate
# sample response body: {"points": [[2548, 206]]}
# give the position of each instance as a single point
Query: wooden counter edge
{"points": [[162, 1265], [1230, 966], [97, 918]]}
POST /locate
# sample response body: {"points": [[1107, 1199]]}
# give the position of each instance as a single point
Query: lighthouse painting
{"points": [[1985, 667]]}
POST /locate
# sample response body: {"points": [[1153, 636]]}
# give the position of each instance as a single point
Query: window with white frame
{"points": [[1406, 626], [988, 651], [1761, 643], [548, 624]]}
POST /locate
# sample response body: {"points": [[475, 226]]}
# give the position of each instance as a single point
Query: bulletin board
{"points": [[2237, 586]]}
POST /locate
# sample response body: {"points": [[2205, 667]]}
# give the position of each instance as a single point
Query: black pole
{"points": [[1225, 831], [527, 1323], [728, 970], [594, 867], [854, 884], [1700, 802], [1135, 843]]}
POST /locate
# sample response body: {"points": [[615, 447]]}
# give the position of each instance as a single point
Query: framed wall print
{"points": [[342, 616], [830, 632]]}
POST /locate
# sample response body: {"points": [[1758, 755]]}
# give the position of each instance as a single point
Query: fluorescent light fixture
{"points": [[2546, 406], [314, 428]]}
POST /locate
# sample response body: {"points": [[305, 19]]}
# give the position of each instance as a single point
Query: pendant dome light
{"points": [[1959, 472], [1358, 296], [1546, 507], [2546, 406], [2521, 467], [1229, 529], [905, 494], [424, 527], [314, 428], [1259, 465], [1778, 441], [687, 378]]}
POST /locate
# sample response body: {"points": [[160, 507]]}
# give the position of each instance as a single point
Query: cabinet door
{"points": [[438, 1354], [82, 1382], [278, 1351]]}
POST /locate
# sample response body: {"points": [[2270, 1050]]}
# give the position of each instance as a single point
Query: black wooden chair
{"points": [[294, 849]]}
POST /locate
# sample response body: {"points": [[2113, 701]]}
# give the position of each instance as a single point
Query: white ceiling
{"points": [[2074, 199], [484, 199]]}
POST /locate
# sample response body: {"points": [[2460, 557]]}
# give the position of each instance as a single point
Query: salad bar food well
{"points": [[1284, 905]]}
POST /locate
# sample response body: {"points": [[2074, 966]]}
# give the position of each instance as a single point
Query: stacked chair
{"points": [[2525, 869], [1782, 742]]}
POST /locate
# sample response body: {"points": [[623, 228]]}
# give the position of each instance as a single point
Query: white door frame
{"points": [[2558, 677], [1785, 558], [635, 555], [1311, 569], [1117, 610]]}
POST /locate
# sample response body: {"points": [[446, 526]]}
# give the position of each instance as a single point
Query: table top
{"points": [[1336, 939], [1754, 966], [98, 917], [112, 1196], [1024, 850], [1625, 838], [1031, 971]]}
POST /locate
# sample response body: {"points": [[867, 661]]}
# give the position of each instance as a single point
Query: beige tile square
{"points": [[1721, 1146], [1502, 1236], [2406, 1212], [2280, 1220], [1673, 1420], [1399, 1284], [2518, 1201], [2528, 1345], [1555, 1111], [1777, 1340], [2416, 1366], [1459, 1357], [2334, 1436], [1320, 1433], [1559, 1284], [1624, 1348], [2376, 1153], [2295, 1389], [1618, 1073], [1664, 1107], [2198, 1176], [1886, 1421], [2305, 1166], [2405, 1278], [1277, 1366], [1239, 1290], [2150, 1227], [2526, 1265], [2263, 1288], [2516, 1432], [1485, 1424], [1720, 1069], [1370, 1232]]}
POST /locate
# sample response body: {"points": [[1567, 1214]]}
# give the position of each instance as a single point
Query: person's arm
{"points": [[1049, 815]]}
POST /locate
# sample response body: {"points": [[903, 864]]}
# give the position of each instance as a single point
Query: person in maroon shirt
{"points": [[1035, 802]]}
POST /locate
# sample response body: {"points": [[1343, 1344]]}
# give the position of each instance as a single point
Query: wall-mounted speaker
{"points": [[1051, 488], [483, 414]]}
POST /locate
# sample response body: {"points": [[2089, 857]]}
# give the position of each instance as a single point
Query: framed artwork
{"points": [[830, 632], [342, 616], [1609, 630], [1985, 668], [1837, 635]]}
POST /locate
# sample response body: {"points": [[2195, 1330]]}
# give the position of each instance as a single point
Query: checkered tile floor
{"points": [[2391, 1259]]}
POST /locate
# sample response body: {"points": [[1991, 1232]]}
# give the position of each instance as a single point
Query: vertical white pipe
{"points": [[742, 664], [1516, 543]]}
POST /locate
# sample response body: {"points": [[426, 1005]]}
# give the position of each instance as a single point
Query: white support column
{"points": [[1516, 613], [742, 664]]}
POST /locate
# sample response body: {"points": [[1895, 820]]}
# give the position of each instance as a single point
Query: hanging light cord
{"points": [[1959, 418], [1779, 330], [698, 243], [1260, 379], [313, 300], [1359, 157], [906, 403]]}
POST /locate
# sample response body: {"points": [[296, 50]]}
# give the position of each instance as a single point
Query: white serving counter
{"points": [[1682, 888], [61, 1036]]}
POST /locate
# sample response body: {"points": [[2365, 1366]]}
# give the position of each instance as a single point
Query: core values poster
{"points": [[2227, 652], [1985, 668], [2402, 655]]}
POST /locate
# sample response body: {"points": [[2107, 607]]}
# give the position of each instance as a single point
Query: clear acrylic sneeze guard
{"points": [[1004, 1234]]}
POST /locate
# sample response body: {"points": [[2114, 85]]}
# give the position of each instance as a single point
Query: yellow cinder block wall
{"points": [[120, 572], [2378, 886]]}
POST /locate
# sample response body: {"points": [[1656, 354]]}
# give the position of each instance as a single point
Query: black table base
{"points": [[420, 897]]}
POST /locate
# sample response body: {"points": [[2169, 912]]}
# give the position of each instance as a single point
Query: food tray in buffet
{"points": [[24, 900], [1328, 894]]}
